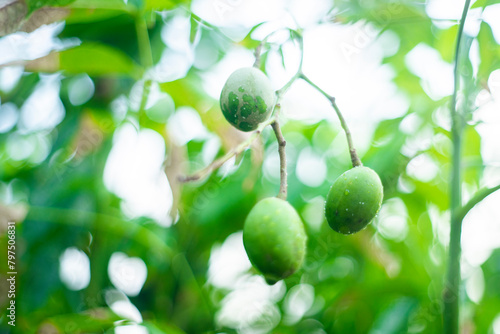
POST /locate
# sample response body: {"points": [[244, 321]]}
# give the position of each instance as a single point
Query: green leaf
{"points": [[394, 319], [484, 3], [282, 55], [100, 4], [97, 59], [445, 42], [156, 328], [489, 51], [85, 15], [92, 320], [479, 4], [195, 31], [161, 4]]}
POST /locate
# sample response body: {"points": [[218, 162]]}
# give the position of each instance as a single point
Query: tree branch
{"points": [[478, 197], [233, 152], [354, 156], [256, 54], [282, 152]]}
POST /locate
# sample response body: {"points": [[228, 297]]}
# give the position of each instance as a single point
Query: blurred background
{"points": [[105, 104]]}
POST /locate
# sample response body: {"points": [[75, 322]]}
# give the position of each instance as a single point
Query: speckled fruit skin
{"points": [[353, 200], [274, 239], [247, 98]]}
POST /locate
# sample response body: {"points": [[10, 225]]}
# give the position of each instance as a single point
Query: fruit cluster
{"points": [[273, 234]]}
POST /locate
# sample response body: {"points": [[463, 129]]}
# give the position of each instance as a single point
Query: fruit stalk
{"points": [[282, 152], [257, 52], [354, 156], [451, 296]]}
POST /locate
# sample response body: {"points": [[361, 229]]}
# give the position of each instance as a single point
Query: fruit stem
{"points": [[354, 156], [257, 52], [451, 290], [478, 197], [282, 152], [233, 152]]}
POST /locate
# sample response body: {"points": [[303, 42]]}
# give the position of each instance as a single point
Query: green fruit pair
{"points": [[354, 200], [247, 98], [274, 239]]}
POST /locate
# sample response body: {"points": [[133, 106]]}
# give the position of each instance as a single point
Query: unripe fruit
{"points": [[247, 98], [353, 200], [274, 239]]}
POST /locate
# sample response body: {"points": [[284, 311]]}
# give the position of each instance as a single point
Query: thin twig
{"points": [[354, 156], [282, 152], [257, 52], [233, 152], [451, 291], [478, 197]]}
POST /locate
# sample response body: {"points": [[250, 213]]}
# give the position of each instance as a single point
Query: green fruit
{"points": [[247, 98], [274, 239], [354, 199]]}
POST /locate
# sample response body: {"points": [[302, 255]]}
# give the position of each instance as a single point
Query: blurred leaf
{"points": [[12, 13], [99, 4], [394, 319], [445, 42], [489, 52], [87, 15], [108, 224], [98, 59], [195, 31], [44, 16], [95, 320], [484, 3], [161, 5], [282, 55], [161, 329], [11, 213]]}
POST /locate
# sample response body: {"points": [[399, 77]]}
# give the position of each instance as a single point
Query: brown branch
{"points": [[257, 52], [233, 152]]}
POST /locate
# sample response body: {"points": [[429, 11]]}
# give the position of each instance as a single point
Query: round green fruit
{"points": [[247, 98], [353, 200], [274, 239]]}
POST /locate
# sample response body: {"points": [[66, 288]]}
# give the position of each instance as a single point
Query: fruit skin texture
{"points": [[353, 200], [274, 239], [247, 98]]}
